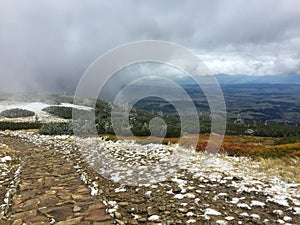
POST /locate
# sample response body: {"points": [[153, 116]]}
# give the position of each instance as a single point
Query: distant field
{"points": [[277, 103]]}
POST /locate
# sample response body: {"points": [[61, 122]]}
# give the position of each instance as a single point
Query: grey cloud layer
{"points": [[47, 45]]}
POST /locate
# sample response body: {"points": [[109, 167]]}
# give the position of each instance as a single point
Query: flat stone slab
{"points": [[50, 190]]}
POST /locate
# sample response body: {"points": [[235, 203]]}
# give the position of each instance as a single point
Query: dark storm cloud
{"points": [[47, 45]]}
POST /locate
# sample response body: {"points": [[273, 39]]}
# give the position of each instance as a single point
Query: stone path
{"points": [[209, 191], [50, 191]]}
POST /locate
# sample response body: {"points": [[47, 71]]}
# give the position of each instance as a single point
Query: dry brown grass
{"points": [[288, 168], [5, 149]]}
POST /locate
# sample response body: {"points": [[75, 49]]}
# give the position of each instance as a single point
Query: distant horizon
{"points": [[223, 79]]}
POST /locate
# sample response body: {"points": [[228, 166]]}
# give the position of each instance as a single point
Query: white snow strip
{"points": [[210, 211], [244, 214], [243, 206], [120, 189], [255, 216], [287, 219], [189, 214], [297, 210], [229, 218], [76, 106], [153, 218], [5, 159], [257, 203]]}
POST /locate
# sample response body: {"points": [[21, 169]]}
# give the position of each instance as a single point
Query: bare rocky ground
{"points": [[205, 190], [46, 189]]}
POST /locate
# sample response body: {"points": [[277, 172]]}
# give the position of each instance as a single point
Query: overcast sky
{"points": [[48, 44]]}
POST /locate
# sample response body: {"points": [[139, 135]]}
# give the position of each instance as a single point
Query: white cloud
{"points": [[269, 59], [49, 45]]}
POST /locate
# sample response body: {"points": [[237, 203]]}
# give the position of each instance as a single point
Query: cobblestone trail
{"points": [[50, 191], [57, 184]]}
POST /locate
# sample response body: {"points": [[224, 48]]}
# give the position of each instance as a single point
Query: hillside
{"points": [[88, 178]]}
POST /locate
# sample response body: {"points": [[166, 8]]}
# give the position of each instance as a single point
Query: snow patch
{"points": [[243, 206], [210, 211], [257, 203], [153, 218], [5, 159]]}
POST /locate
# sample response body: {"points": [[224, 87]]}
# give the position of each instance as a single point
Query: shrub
{"points": [[56, 129], [104, 126], [17, 113], [81, 127], [6, 125], [64, 112], [286, 140]]}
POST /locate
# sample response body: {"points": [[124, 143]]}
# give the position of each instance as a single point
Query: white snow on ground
{"points": [[75, 106], [243, 206], [223, 168], [221, 222], [297, 210], [153, 218], [10, 169], [257, 203], [229, 218], [32, 106], [210, 211], [36, 107], [5, 159], [216, 168], [240, 173], [191, 221]]}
